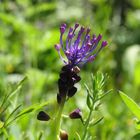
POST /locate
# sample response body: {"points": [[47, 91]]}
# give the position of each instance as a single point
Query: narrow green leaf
{"points": [[40, 135], [4, 109], [15, 90], [89, 101], [12, 113], [21, 82], [135, 109], [6, 135], [18, 87], [1, 124], [79, 138], [103, 95], [28, 110], [96, 122], [89, 97]]}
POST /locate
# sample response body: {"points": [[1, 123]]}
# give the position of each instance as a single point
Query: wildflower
{"points": [[79, 51], [76, 114], [42, 116]]}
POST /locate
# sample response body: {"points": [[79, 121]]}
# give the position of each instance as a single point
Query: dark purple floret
{"points": [[68, 78], [42, 116], [80, 47], [72, 91], [76, 114]]}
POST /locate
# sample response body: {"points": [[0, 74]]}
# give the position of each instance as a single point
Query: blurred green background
{"points": [[28, 31]]}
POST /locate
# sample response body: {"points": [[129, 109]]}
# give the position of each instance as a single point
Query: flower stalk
{"points": [[58, 119], [87, 124]]}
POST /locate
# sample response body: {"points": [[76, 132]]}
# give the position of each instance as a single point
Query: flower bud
{"points": [[104, 43], [76, 69], [64, 25], [76, 114], [76, 25], [88, 30], [42, 116], [63, 135], [57, 47], [62, 29], [72, 91], [82, 29], [99, 37]]}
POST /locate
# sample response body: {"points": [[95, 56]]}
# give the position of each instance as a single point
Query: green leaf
{"points": [[15, 90], [96, 122], [40, 135], [136, 137], [79, 138], [137, 123], [1, 124], [89, 102], [89, 98], [135, 109], [10, 115], [28, 110]]}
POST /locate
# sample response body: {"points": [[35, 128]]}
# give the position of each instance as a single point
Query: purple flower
{"points": [[79, 48], [42, 116], [76, 114]]}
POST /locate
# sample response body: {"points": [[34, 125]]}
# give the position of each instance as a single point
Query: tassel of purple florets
{"points": [[80, 48], [66, 83]]}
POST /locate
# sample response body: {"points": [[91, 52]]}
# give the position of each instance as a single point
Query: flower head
{"points": [[79, 48]]}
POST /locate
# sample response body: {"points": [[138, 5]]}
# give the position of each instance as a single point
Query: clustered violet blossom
{"points": [[77, 50]]}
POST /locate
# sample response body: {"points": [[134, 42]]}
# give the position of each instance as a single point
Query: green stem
{"points": [[57, 121], [87, 123]]}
